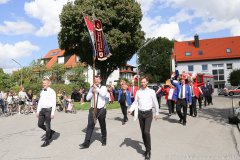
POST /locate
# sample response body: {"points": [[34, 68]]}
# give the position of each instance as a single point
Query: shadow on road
{"points": [[134, 144], [169, 119], [95, 134]]}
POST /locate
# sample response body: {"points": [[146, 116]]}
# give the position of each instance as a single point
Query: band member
{"points": [[45, 110], [182, 96], [132, 89], [100, 93], [124, 100], [145, 99], [169, 98]]}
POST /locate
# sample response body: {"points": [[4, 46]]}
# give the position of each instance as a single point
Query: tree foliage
{"points": [[234, 77], [154, 59], [121, 26], [5, 80]]}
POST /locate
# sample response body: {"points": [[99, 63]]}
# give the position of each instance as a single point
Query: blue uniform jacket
{"points": [[177, 90], [128, 97]]}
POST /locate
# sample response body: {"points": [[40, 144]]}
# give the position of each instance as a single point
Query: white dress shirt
{"points": [[145, 99], [183, 92], [100, 96], [47, 100], [170, 94]]}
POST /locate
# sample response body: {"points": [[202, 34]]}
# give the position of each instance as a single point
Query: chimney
{"points": [[196, 41]]}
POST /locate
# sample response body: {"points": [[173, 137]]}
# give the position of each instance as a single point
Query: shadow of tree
{"points": [[134, 144]]}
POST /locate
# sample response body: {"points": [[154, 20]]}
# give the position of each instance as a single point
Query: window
{"points": [[60, 60], [217, 65], [228, 50], [218, 74], [188, 53], [229, 65], [204, 67], [54, 53], [77, 58], [190, 68], [200, 52]]}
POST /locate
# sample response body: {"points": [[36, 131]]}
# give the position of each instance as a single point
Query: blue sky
{"points": [[29, 28]]}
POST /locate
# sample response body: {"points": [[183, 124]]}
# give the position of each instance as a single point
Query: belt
{"points": [[181, 99], [147, 111], [47, 109]]}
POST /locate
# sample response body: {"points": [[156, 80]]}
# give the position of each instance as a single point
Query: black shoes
{"points": [[180, 120], [104, 142], [84, 145], [147, 155], [51, 134], [45, 144], [184, 123]]}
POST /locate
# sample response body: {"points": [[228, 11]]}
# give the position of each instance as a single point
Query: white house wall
{"points": [[197, 66]]}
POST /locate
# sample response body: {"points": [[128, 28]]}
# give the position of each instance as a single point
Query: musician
{"points": [[100, 92], [183, 97]]}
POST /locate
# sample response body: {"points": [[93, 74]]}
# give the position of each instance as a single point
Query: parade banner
{"points": [[90, 28], [102, 50]]}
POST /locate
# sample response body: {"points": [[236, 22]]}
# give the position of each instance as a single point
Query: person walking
{"points": [[97, 93], [145, 99], [124, 99], [182, 96], [45, 110]]}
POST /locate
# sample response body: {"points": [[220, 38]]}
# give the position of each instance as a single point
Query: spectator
{"points": [[22, 99]]}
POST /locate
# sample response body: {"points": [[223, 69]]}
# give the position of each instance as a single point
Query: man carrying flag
{"points": [[97, 93]]}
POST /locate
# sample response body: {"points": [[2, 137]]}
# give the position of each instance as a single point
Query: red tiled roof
{"points": [[53, 56], [212, 49], [127, 71]]}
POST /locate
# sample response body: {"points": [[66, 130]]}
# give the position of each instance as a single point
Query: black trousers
{"points": [[45, 117], [124, 112], [101, 116], [159, 98], [145, 121], [193, 107], [2, 105], [200, 102], [182, 104], [206, 100], [170, 104]]}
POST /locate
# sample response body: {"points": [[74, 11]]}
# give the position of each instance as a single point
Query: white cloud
{"points": [[215, 15], [21, 49], [47, 11], [146, 5], [3, 1], [16, 28]]}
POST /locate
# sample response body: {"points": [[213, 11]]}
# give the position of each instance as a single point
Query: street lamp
{"points": [[20, 67], [146, 43]]}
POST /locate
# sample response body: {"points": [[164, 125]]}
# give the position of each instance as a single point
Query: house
{"points": [[217, 57], [57, 56]]}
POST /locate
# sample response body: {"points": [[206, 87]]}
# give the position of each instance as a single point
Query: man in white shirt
{"points": [[99, 92], [45, 110], [145, 99]]}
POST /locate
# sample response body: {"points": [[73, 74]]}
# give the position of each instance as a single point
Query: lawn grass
{"points": [[86, 106]]}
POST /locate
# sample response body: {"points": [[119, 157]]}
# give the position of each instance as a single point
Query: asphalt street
{"points": [[206, 137]]}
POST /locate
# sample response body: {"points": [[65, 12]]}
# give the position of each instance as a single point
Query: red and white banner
{"points": [[99, 40]]}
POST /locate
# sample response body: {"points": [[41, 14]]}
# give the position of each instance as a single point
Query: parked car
{"points": [[232, 91]]}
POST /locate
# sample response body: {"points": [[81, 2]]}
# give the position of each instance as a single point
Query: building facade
{"points": [[217, 57], [57, 56]]}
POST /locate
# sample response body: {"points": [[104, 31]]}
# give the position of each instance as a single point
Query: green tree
{"points": [[121, 26], [5, 80], [77, 76], [154, 59], [234, 77], [57, 71]]}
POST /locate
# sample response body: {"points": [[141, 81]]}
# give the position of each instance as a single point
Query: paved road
{"points": [[207, 137]]}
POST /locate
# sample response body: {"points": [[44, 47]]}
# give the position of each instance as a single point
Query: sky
{"points": [[29, 28]]}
